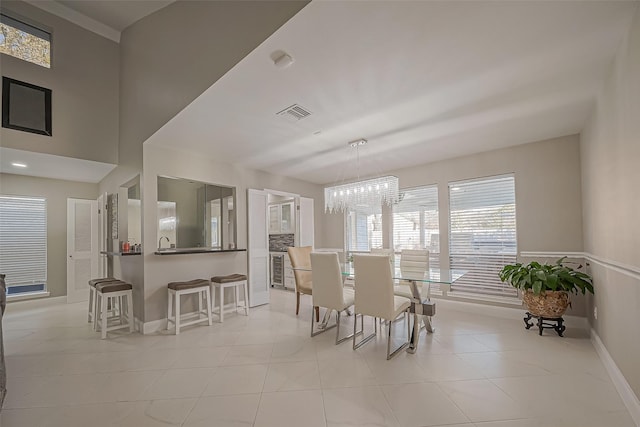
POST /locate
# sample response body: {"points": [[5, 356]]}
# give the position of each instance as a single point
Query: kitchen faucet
{"points": [[160, 241]]}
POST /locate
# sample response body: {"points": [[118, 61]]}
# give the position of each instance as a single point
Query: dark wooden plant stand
{"points": [[543, 323]]}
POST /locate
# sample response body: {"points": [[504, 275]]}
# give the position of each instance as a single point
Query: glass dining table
{"points": [[419, 283]]}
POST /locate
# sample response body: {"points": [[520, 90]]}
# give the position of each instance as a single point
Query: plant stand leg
{"points": [[540, 325], [527, 319], [560, 328]]}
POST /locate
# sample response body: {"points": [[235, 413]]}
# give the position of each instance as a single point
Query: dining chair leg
{"points": [[364, 340], [297, 303], [341, 340], [326, 326], [397, 350]]}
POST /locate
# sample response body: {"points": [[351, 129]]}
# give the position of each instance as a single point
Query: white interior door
{"points": [[103, 269], [305, 221], [82, 247], [258, 248]]}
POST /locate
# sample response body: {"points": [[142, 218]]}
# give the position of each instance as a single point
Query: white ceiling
{"points": [[116, 14], [51, 166], [422, 81], [105, 17]]}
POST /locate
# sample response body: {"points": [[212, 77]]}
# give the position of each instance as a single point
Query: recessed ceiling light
{"points": [[18, 165]]}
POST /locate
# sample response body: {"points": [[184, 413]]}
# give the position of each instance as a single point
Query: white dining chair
{"points": [[328, 290], [414, 263], [374, 297], [387, 252]]}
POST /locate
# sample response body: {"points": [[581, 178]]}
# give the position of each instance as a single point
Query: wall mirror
{"points": [[194, 214], [134, 212]]}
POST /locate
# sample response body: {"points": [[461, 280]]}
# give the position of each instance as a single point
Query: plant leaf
{"points": [[537, 287]]}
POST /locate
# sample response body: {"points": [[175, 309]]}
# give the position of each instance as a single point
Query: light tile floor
{"points": [[265, 370]]}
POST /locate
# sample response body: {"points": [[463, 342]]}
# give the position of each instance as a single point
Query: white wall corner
{"points": [[629, 398]]}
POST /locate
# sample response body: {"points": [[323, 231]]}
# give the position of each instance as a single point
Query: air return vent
{"points": [[294, 113]]}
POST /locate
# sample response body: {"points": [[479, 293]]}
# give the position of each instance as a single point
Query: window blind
{"points": [[364, 228], [415, 222], [23, 240], [482, 233]]}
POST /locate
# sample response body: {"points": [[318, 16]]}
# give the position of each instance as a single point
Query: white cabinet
{"points": [[282, 218], [274, 219], [289, 278], [287, 218]]}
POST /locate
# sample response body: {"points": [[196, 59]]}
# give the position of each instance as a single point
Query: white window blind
{"points": [[364, 228], [23, 241], [415, 222], [482, 233]]}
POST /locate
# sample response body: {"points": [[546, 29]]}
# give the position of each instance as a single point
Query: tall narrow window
{"points": [[23, 244], [364, 228], [415, 222], [24, 41], [482, 227]]}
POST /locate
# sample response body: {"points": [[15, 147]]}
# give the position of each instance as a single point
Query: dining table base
{"points": [[422, 311]]}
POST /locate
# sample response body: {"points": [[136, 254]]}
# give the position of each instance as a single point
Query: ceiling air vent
{"points": [[294, 113]]}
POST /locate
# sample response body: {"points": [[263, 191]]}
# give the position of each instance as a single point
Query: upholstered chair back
{"points": [[327, 281], [373, 286]]}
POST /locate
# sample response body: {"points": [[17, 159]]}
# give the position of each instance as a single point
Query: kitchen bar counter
{"points": [[185, 251], [119, 253]]}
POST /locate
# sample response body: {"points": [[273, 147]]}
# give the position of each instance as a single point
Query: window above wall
{"points": [[25, 41]]}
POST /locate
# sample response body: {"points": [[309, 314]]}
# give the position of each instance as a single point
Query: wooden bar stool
{"points": [[232, 281], [107, 293], [93, 295], [177, 289]]}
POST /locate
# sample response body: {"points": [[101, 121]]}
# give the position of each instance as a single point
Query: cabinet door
{"points": [[305, 231], [274, 219], [257, 248], [289, 278], [287, 218]]}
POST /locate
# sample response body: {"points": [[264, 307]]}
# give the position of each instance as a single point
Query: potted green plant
{"points": [[546, 287]]}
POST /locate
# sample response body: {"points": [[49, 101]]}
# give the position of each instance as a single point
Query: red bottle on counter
{"points": [[126, 247]]}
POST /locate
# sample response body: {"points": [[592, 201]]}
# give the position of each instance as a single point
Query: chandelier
{"points": [[369, 192]]}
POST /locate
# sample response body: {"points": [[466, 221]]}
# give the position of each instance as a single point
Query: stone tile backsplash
{"points": [[280, 242]]}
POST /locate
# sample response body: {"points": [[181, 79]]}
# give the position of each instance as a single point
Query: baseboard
{"points": [[36, 303], [629, 398], [153, 326], [503, 312]]}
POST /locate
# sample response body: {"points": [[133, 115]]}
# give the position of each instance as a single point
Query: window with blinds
{"points": [[482, 233], [415, 222], [23, 243], [364, 228]]}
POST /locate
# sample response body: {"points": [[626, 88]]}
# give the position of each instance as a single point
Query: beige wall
{"points": [[84, 81], [161, 269], [610, 147], [548, 200], [170, 57], [56, 192]]}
